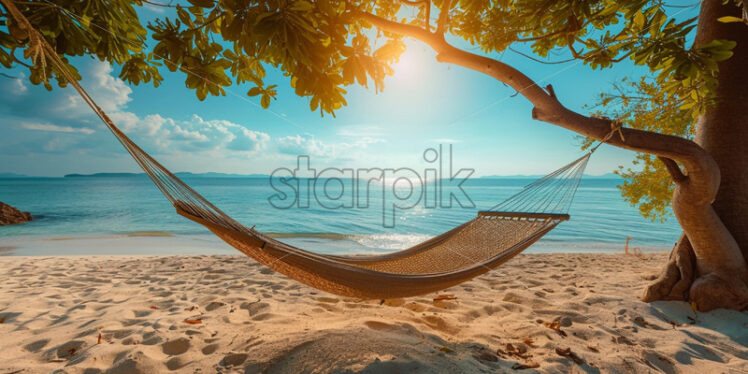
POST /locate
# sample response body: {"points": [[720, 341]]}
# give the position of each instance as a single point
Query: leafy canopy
{"points": [[324, 46]]}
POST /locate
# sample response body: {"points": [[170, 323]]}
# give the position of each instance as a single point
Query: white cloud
{"points": [[19, 85], [110, 93], [14, 84], [57, 145], [304, 145], [309, 145], [55, 128], [154, 8], [192, 135]]}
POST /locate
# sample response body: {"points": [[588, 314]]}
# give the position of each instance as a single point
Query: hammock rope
{"points": [[458, 255]]}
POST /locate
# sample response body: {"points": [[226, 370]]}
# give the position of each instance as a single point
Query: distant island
{"points": [[519, 176], [179, 174], [104, 175], [13, 176]]}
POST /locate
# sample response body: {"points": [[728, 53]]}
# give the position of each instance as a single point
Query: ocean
{"points": [[128, 215]]}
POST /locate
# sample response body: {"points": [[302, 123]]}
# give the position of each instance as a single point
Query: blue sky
{"points": [[424, 104]]}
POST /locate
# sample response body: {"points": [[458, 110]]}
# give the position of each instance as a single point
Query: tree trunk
{"points": [[723, 132]]}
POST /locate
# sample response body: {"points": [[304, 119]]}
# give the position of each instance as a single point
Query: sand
{"points": [[564, 313]]}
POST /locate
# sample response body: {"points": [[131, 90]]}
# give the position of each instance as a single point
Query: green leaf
{"points": [[721, 55], [729, 19], [639, 19], [202, 3], [183, 16], [302, 6], [265, 101], [202, 93]]}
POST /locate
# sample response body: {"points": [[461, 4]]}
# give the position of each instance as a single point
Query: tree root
{"points": [[680, 281], [676, 279], [715, 290]]}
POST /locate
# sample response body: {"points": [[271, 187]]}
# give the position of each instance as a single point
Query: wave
{"points": [[373, 241]]}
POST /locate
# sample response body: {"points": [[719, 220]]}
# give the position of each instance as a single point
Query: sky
{"points": [[424, 104]]}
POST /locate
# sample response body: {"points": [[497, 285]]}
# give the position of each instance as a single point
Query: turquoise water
{"points": [[105, 206]]}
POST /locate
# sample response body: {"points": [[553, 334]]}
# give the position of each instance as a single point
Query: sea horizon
{"points": [[110, 214]]}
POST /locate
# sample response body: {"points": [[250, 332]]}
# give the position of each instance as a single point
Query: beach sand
{"points": [[565, 313]]}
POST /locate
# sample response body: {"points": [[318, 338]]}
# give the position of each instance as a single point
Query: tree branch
{"points": [[538, 60], [441, 23], [206, 23], [427, 4], [18, 61], [673, 169], [398, 28], [549, 109], [546, 36]]}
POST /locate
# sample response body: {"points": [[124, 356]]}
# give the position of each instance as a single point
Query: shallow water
{"points": [[96, 207]]}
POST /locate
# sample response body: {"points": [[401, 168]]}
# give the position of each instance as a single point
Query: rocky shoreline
{"points": [[11, 216]]}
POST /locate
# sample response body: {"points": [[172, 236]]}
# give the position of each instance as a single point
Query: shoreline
{"points": [[168, 243], [253, 320]]}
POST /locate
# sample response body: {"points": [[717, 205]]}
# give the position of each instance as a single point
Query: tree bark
{"points": [[707, 266], [723, 130]]}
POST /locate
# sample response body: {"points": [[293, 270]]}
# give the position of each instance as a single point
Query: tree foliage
{"points": [[642, 105], [325, 45]]}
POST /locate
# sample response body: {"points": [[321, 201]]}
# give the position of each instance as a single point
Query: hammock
{"points": [[456, 256]]}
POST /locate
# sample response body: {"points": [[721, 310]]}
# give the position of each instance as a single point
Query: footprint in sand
{"points": [[135, 363], [514, 298], [660, 362], [491, 309], [131, 340], [66, 350], [209, 349], [119, 334], [177, 362], [255, 307], [151, 338], [36, 346], [176, 346], [142, 313], [437, 323], [234, 359], [416, 307], [214, 305], [264, 316]]}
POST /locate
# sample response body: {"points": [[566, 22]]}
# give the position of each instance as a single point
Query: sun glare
{"points": [[412, 63], [405, 68]]}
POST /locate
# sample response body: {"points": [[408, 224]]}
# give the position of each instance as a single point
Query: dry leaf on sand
{"points": [[566, 352], [555, 326], [529, 365]]}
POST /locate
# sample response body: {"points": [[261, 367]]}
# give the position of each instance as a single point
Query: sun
{"points": [[406, 66], [414, 63]]}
